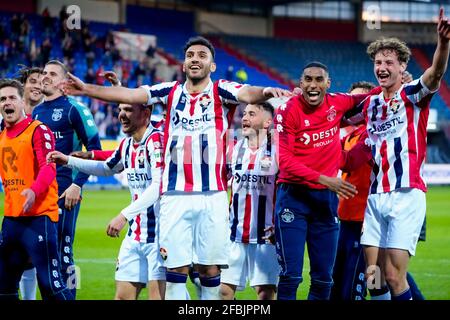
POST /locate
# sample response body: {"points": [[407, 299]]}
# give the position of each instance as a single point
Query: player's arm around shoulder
{"points": [[76, 87], [254, 94]]}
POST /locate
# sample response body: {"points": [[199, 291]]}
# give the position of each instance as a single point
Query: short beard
{"points": [[196, 81], [46, 92]]}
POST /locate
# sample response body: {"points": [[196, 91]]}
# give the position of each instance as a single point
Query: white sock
{"points": [[210, 293], [188, 296], [210, 287], [176, 291], [28, 284]]}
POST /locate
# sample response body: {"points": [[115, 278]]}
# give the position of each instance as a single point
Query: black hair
{"points": [[25, 72], [266, 106], [199, 41], [316, 64]]}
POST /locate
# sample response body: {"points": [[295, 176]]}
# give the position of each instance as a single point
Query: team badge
{"points": [[394, 104], [205, 101], [266, 162], [57, 114], [287, 216], [140, 158], [331, 114], [163, 253]]}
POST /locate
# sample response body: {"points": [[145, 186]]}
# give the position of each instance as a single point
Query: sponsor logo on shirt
{"points": [[252, 178], [318, 137], [387, 126], [191, 123]]}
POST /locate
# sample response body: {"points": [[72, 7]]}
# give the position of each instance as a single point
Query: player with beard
{"points": [[73, 126], [194, 203], [139, 157], [254, 169]]}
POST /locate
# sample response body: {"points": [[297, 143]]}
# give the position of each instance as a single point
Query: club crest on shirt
{"points": [[266, 162], [287, 215], [57, 114], [394, 104], [331, 114], [140, 158], [204, 101]]}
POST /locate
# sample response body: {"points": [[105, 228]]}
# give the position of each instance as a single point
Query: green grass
{"points": [[95, 253]]}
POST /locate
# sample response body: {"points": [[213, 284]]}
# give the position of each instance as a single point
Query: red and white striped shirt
{"points": [[195, 133], [398, 134], [253, 190], [141, 163]]}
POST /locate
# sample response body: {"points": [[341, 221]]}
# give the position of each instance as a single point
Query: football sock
{"points": [[176, 286], [210, 287]]}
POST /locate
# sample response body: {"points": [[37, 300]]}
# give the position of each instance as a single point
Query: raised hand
{"points": [[443, 26]]}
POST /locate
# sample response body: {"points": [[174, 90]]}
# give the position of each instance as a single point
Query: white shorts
{"points": [[394, 219], [139, 262], [256, 263], [194, 228]]}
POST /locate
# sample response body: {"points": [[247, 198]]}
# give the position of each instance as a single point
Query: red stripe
{"points": [[422, 143], [187, 164], [251, 165], [192, 106], [384, 112], [220, 153], [137, 232], [229, 138], [384, 166], [166, 129], [133, 157], [121, 145], [411, 132], [247, 217]]}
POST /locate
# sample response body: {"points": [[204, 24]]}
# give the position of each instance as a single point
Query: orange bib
{"points": [[19, 168], [353, 209]]}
